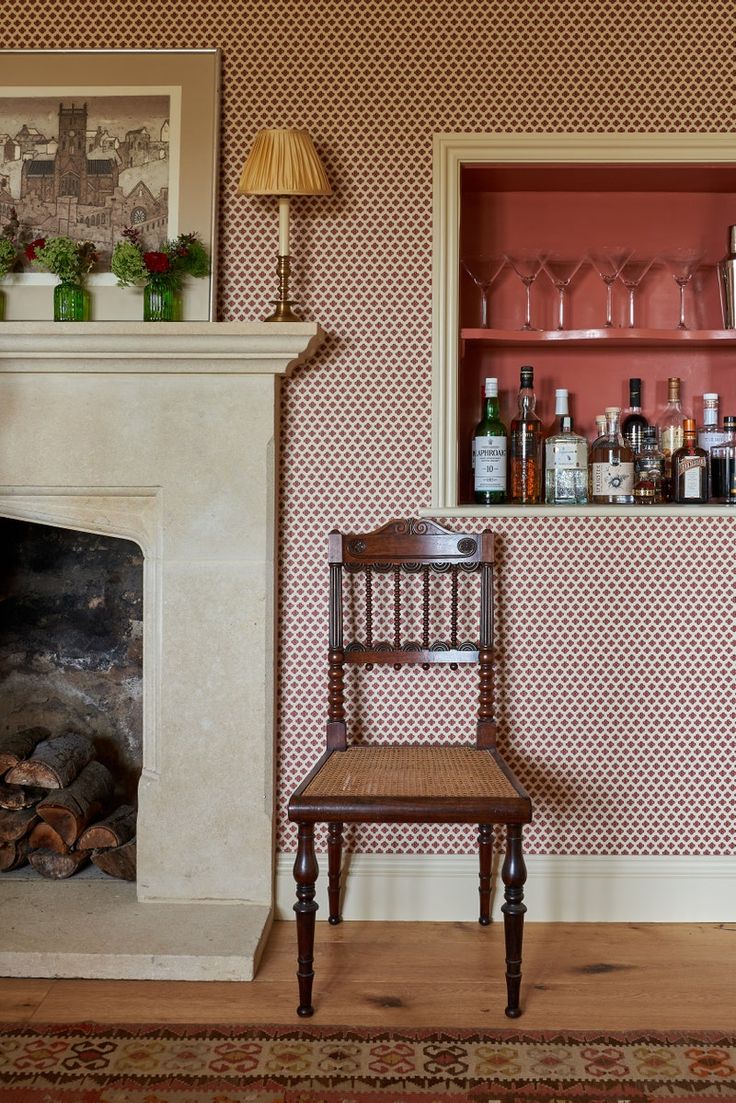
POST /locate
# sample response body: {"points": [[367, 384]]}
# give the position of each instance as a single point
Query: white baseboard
{"points": [[569, 888]]}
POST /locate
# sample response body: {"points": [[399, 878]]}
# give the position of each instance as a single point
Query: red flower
{"points": [[156, 262], [33, 246]]}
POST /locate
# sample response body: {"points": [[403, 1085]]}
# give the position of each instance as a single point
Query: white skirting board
{"points": [[567, 888]]}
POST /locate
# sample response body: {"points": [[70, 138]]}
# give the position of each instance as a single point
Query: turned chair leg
{"points": [[334, 859], [485, 851], [514, 876], [305, 875]]}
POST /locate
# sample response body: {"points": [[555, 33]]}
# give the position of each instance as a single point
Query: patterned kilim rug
{"points": [[229, 1064]]}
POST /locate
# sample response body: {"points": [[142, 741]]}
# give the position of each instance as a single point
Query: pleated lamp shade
{"points": [[283, 162]]}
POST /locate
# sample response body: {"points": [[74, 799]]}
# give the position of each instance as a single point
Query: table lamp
{"points": [[283, 163]]}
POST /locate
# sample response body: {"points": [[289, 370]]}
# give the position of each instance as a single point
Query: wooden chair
{"points": [[395, 783]]}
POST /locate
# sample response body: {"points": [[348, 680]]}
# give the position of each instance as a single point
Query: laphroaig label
{"points": [[489, 463], [613, 478]]}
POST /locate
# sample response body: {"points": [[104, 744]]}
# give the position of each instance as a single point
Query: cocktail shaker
{"points": [[727, 281]]}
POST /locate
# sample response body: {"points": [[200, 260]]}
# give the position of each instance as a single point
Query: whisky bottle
{"points": [[489, 450], [670, 431], [648, 470], [612, 466], [565, 459], [525, 445], [634, 422], [690, 468]]}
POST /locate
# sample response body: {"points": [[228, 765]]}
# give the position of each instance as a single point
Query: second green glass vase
{"points": [[70, 302], [159, 301]]}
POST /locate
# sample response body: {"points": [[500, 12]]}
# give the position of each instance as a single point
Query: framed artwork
{"points": [[93, 142]]}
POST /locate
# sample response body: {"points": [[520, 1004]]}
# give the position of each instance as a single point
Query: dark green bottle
{"points": [[489, 451]]}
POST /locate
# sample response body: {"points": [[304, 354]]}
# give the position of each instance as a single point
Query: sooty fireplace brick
{"points": [[71, 640]]}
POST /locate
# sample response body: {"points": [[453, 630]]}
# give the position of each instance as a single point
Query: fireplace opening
{"points": [[71, 689]]}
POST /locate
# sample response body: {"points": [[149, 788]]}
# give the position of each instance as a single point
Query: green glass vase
{"points": [[70, 302], [2, 306], [160, 302]]}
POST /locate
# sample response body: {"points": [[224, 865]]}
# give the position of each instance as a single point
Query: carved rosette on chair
{"points": [[441, 781]]}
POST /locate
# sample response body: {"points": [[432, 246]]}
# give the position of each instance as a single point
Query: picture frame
{"points": [[151, 125]]}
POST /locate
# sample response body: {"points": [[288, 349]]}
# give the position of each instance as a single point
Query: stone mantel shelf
{"points": [[205, 348]]}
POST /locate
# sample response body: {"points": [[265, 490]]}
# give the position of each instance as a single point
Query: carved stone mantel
{"points": [[166, 434]]}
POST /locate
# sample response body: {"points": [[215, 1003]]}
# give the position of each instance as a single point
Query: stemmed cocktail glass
{"points": [[608, 262], [561, 269], [484, 271], [631, 275], [527, 264], [683, 264]]}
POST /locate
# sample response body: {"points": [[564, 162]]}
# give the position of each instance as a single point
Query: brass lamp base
{"points": [[283, 311]]}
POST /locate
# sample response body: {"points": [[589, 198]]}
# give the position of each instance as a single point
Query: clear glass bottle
{"points": [[565, 459], [634, 422], [670, 431], [612, 466], [649, 470], [709, 434], [525, 445], [489, 450], [690, 468]]}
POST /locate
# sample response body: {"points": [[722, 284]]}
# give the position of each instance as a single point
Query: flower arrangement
{"points": [[70, 260], [183, 256]]}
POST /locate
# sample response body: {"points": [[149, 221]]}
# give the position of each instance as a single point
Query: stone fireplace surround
{"points": [[165, 434]]}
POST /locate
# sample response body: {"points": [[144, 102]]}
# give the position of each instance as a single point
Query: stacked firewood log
{"points": [[57, 807]]}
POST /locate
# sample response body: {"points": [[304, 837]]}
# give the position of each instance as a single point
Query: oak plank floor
{"points": [[576, 976]]}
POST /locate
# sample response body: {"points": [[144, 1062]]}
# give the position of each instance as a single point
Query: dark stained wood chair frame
{"points": [[414, 546]]}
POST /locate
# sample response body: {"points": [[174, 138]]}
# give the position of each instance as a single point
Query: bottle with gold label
{"points": [[670, 432], [525, 445], [690, 468]]}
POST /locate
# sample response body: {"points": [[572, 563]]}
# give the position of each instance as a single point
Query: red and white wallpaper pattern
{"points": [[616, 637]]}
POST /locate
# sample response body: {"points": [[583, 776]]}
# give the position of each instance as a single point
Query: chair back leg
{"points": [[305, 875], [514, 876], [334, 860], [485, 852]]}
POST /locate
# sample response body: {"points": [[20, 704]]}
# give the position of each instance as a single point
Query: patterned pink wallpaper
{"points": [[616, 669]]}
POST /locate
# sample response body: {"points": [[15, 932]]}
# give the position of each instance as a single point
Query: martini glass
{"points": [[484, 271], [683, 264], [561, 269], [631, 275], [608, 262], [527, 264]]}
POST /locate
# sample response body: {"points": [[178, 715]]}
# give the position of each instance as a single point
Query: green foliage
{"points": [[8, 256], [67, 259], [127, 264]]}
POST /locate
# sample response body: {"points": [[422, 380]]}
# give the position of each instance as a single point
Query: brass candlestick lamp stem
{"points": [[283, 311]]}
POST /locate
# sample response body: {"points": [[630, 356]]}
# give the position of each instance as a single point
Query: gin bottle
{"points": [[489, 451], [565, 459], [525, 440], [612, 466], [709, 435]]}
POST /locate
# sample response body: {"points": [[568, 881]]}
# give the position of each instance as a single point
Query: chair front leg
{"points": [[305, 875], [485, 853], [334, 859], [514, 876]]}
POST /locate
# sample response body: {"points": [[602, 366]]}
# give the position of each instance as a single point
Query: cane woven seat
{"points": [[409, 772], [416, 594]]}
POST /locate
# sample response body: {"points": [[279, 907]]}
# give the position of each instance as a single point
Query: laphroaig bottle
{"points": [[648, 470], [612, 466], [489, 450], [670, 431], [565, 459], [525, 445], [634, 422], [690, 468]]}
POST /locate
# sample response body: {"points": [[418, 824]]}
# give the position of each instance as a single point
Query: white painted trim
{"points": [[560, 888], [450, 151]]}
